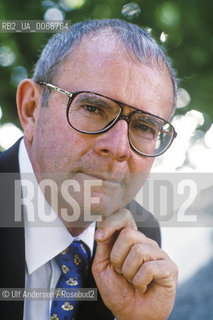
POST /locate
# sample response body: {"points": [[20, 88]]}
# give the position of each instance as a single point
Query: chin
{"points": [[93, 207], [105, 207]]}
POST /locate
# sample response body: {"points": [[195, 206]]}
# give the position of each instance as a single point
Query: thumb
{"points": [[104, 246]]}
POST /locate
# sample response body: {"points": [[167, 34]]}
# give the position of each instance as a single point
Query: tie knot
{"points": [[74, 259]]}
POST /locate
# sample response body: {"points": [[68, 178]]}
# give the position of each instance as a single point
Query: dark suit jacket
{"points": [[12, 257]]}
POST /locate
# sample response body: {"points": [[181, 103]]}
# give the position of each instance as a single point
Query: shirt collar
{"points": [[44, 243]]}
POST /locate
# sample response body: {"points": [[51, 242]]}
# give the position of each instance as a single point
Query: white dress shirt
{"points": [[42, 244]]}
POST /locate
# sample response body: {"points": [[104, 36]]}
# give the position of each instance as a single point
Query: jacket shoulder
{"points": [[9, 159], [145, 221]]}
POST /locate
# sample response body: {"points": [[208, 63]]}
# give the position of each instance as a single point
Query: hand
{"points": [[136, 279]]}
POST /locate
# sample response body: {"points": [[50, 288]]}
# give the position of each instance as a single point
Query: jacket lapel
{"points": [[12, 266]]}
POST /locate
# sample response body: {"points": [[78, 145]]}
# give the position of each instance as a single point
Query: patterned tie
{"points": [[73, 263]]}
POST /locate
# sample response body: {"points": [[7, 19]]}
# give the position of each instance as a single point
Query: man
{"points": [[95, 112]]}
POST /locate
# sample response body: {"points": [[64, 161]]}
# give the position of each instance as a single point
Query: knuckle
{"points": [[143, 278], [127, 234], [154, 243], [126, 213], [136, 281], [95, 268], [172, 266], [137, 250], [148, 271], [125, 272], [115, 259], [147, 268], [176, 271]]}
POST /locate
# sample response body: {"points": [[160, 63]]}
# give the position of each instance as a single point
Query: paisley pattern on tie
{"points": [[73, 263]]}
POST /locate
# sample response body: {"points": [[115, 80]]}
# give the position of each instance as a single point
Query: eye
{"points": [[91, 109], [143, 128]]}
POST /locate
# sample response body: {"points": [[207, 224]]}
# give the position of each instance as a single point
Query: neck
{"points": [[75, 231]]}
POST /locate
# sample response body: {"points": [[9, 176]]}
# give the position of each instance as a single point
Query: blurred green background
{"points": [[183, 28]]}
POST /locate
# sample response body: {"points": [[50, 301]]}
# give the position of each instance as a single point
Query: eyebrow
{"points": [[98, 101], [153, 120], [94, 100]]}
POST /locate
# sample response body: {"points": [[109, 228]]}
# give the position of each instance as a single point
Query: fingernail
{"points": [[99, 234]]}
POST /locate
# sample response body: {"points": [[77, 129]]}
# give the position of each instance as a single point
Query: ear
{"points": [[28, 99]]}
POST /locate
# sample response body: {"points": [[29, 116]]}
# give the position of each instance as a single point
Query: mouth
{"points": [[118, 178]]}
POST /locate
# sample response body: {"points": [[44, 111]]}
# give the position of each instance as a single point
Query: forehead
{"points": [[102, 64]]}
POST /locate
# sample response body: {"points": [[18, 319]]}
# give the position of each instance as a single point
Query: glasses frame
{"points": [[120, 116]]}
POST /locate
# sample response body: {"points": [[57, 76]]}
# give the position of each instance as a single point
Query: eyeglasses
{"points": [[93, 113]]}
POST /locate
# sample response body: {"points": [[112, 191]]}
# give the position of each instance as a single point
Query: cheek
{"points": [[141, 164], [139, 171], [55, 143]]}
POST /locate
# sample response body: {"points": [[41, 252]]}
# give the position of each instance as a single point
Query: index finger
{"points": [[119, 220]]}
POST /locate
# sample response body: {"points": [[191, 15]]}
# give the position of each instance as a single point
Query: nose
{"points": [[114, 143]]}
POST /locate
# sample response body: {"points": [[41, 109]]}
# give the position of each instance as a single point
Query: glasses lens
{"points": [[91, 113], [149, 134]]}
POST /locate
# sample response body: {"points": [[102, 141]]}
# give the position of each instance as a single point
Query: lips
{"points": [[107, 177]]}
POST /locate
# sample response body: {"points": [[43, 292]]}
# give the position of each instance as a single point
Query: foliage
{"points": [[188, 25]]}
